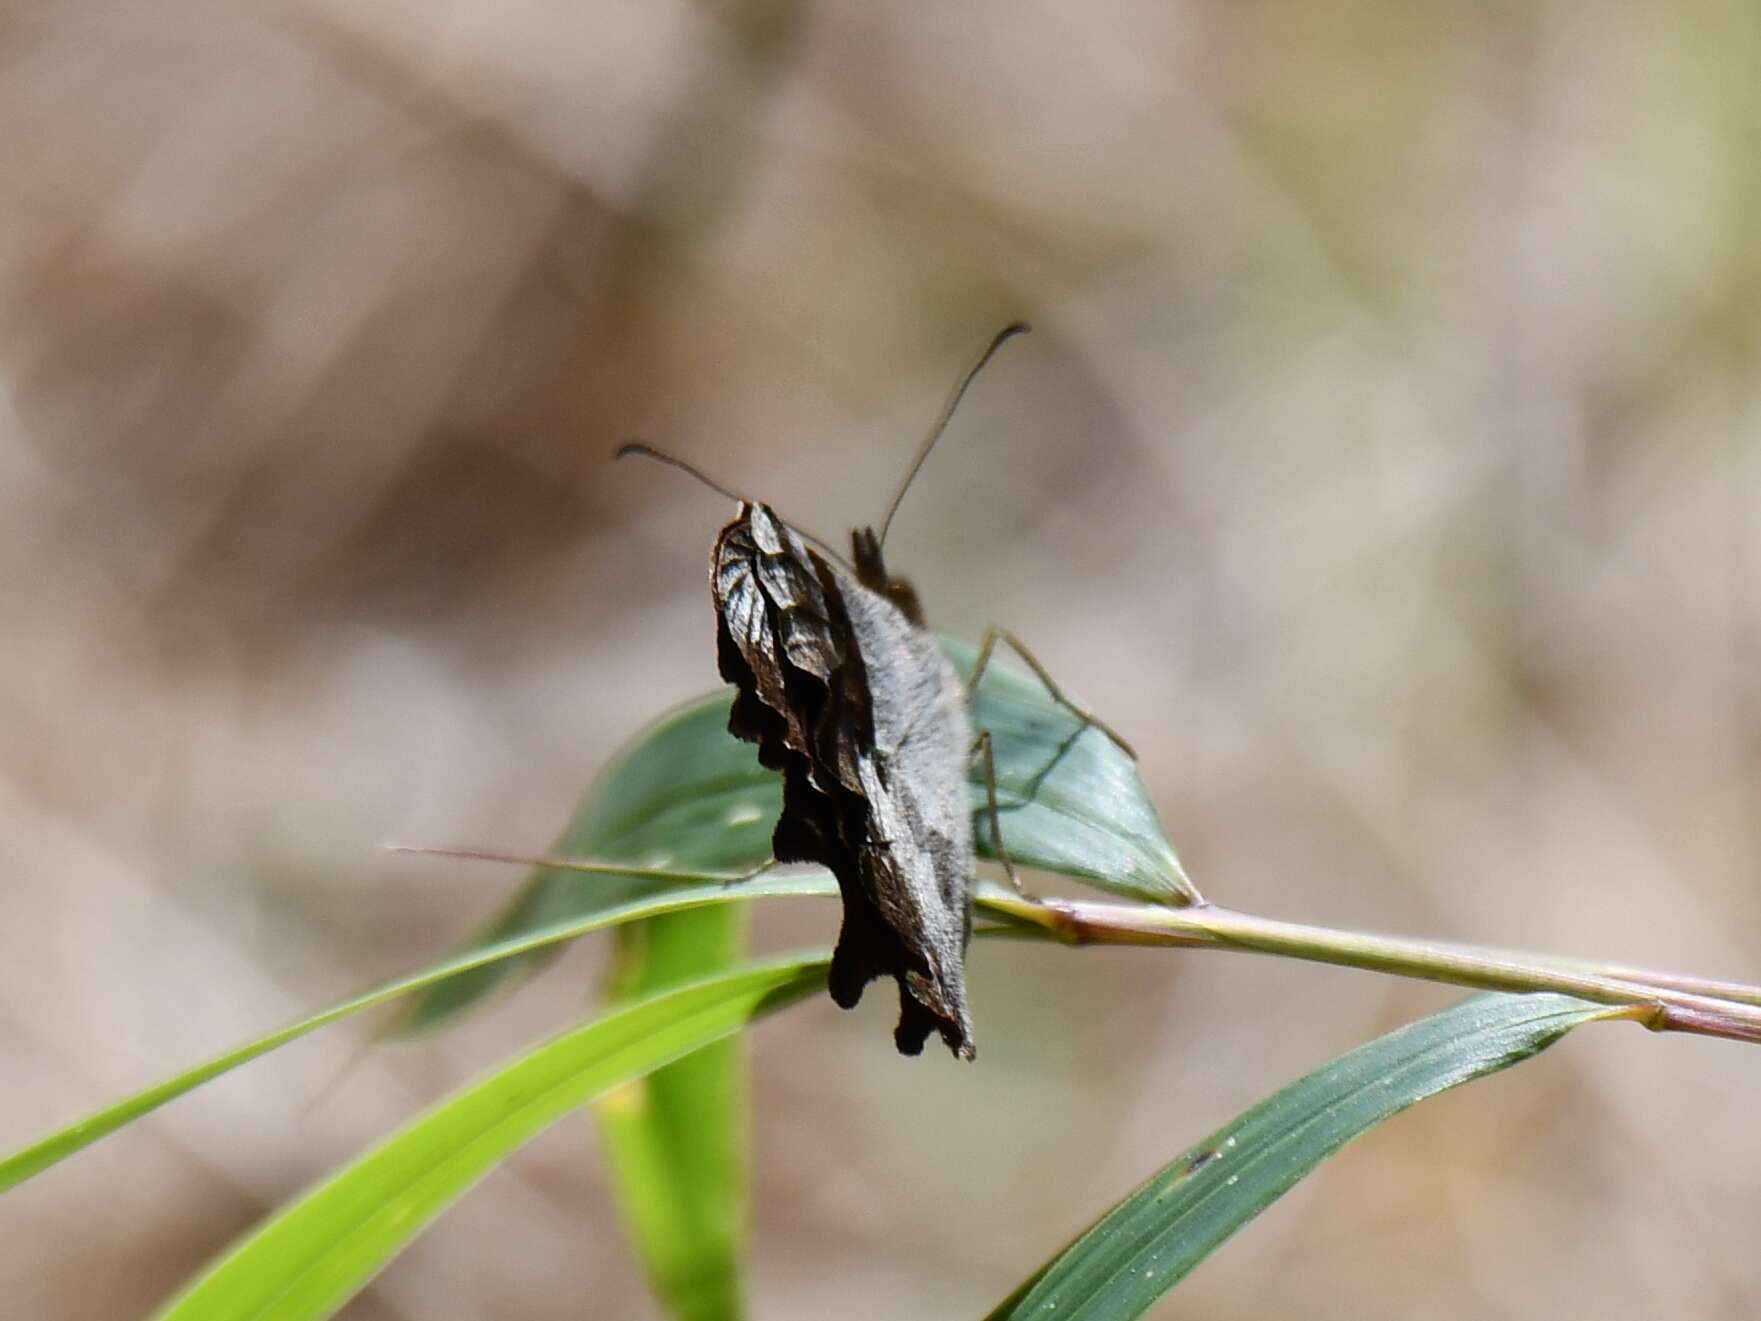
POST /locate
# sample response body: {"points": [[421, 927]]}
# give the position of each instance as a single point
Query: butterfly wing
{"points": [[865, 719], [916, 856]]}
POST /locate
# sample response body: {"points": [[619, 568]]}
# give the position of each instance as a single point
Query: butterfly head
{"points": [[871, 572]]}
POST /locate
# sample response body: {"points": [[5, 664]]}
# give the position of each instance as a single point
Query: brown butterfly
{"points": [[849, 696]]}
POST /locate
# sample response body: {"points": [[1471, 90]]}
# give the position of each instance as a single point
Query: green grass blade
{"points": [[308, 1259], [675, 1141], [1147, 1243], [684, 796], [64, 1142]]}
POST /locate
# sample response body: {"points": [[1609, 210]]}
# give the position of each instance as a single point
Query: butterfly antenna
{"points": [[661, 456], [646, 451], [1001, 338]]}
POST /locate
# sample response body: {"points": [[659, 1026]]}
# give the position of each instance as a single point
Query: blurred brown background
{"points": [[1385, 465]]}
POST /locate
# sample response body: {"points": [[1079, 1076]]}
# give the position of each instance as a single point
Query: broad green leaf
{"points": [[1069, 799], [59, 1145], [1147, 1243], [309, 1258]]}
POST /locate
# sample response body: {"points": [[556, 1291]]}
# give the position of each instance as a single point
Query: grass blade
{"points": [[64, 1142], [308, 1259], [675, 1141], [684, 796], [1147, 1243]]}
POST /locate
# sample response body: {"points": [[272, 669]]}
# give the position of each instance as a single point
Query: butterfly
{"points": [[850, 697]]}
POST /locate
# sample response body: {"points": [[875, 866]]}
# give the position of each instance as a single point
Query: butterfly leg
{"points": [[740, 878], [981, 749], [992, 636], [590, 867]]}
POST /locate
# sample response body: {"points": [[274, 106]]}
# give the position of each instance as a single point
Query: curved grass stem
{"points": [[1662, 1001]]}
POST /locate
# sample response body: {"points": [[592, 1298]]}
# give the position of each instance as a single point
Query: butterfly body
{"points": [[850, 697]]}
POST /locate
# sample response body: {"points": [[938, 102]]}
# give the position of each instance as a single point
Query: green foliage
{"points": [[35, 1157], [685, 797], [675, 1140], [683, 791], [310, 1257], [1069, 799], [688, 796], [1146, 1244], [663, 1057]]}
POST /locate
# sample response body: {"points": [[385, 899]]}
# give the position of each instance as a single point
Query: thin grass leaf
{"points": [[687, 796], [64, 1142], [675, 1141], [311, 1257], [1147, 1243]]}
